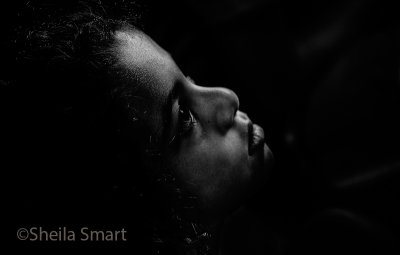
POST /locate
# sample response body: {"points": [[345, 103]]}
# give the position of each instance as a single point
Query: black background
{"points": [[322, 79]]}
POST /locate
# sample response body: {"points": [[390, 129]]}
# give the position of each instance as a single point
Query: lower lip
{"points": [[256, 140]]}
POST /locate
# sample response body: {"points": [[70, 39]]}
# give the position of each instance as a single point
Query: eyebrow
{"points": [[167, 110]]}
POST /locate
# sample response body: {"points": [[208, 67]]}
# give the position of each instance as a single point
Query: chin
{"points": [[268, 158], [260, 180], [215, 209]]}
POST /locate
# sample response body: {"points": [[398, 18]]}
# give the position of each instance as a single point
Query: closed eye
{"points": [[186, 122]]}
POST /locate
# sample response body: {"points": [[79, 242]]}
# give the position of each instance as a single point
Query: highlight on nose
{"points": [[230, 104], [232, 98]]}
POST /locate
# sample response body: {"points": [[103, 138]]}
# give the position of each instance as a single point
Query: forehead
{"points": [[151, 68], [136, 49]]}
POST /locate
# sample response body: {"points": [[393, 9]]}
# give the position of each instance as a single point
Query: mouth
{"points": [[255, 138]]}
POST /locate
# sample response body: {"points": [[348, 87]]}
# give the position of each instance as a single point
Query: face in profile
{"points": [[213, 148]]}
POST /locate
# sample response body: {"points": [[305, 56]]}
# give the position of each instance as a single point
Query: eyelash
{"points": [[185, 123]]}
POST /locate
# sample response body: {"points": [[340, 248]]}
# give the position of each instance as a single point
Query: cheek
{"points": [[215, 166]]}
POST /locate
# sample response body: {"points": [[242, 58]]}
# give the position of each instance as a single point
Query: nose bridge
{"points": [[217, 105], [219, 95]]}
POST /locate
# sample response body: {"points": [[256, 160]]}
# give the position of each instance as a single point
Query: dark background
{"points": [[322, 79]]}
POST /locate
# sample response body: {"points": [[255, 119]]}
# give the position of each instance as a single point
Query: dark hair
{"points": [[66, 67], [87, 120]]}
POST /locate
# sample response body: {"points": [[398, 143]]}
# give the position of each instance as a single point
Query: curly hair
{"points": [[66, 68]]}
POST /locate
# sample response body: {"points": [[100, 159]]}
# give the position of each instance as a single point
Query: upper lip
{"points": [[250, 135], [255, 134], [250, 130], [255, 137]]}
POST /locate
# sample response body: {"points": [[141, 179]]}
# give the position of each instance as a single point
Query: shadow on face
{"points": [[214, 149]]}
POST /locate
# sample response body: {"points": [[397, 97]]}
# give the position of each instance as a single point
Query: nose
{"points": [[226, 106], [216, 106]]}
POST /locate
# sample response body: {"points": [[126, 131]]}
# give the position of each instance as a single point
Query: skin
{"points": [[211, 159]]}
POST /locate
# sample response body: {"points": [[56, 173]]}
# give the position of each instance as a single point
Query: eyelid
{"points": [[177, 100], [176, 130], [169, 111], [174, 119]]}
